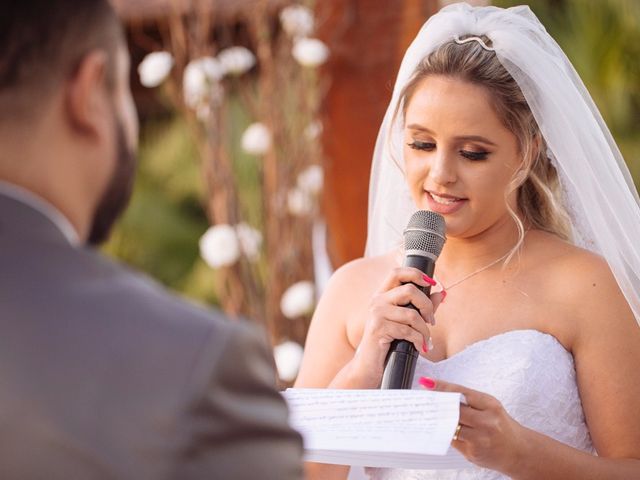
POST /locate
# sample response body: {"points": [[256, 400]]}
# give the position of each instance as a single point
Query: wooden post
{"points": [[367, 39]]}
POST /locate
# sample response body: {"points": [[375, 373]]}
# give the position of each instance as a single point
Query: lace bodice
{"points": [[533, 376]]}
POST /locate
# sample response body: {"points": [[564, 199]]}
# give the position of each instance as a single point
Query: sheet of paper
{"points": [[452, 460], [376, 427]]}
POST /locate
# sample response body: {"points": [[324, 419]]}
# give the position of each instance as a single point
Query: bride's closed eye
{"points": [[429, 146], [425, 146], [471, 155]]}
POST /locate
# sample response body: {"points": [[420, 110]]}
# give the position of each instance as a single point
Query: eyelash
{"points": [[428, 146]]}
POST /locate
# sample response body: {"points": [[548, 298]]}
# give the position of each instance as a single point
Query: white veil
{"points": [[598, 190]]}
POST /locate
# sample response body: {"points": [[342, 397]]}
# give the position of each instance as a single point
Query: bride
{"points": [[538, 285]]}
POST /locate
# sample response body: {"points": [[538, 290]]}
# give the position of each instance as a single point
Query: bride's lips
{"points": [[444, 203]]}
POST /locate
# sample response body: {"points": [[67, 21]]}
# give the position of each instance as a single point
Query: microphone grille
{"points": [[425, 234]]}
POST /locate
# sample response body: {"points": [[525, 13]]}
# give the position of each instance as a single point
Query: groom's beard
{"points": [[116, 196]]}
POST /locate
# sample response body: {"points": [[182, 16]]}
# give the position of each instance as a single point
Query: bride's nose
{"points": [[443, 168]]}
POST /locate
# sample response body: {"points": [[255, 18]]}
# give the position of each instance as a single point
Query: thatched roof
{"points": [[144, 10]]}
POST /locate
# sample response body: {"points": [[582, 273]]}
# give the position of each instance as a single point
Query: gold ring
{"points": [[455, 435]]}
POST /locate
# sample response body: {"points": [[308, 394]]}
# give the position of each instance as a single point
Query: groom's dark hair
{"points": [[42, 42]]}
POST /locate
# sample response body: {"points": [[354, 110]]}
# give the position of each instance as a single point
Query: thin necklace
{"points": [[468, 276]]}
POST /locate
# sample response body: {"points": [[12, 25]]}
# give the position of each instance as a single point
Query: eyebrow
{"points": [[473, 138]]}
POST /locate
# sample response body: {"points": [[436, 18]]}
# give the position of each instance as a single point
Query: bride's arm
{"points": [[369, 303], [328, 351], [330, 358]]}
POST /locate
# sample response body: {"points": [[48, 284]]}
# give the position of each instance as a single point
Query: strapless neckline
{"points": [[493, 338], [530, 372]]}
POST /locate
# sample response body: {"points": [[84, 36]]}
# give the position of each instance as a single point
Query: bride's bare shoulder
{"points": [[577, 278], [566, 261], [367, 269], [356, 281]]}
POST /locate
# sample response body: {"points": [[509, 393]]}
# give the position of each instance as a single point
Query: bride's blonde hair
{"points": [[539, 200]]}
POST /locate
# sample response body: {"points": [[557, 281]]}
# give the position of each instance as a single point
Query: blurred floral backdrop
{"points": [[226, 206]]}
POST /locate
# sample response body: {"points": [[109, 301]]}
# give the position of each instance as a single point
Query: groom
{"points": [[103, 374]]}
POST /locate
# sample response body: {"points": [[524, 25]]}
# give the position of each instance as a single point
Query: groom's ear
{"points": [[86, 98]]}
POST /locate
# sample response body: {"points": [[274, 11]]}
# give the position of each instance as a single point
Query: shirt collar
{"points": [[39, 204]]}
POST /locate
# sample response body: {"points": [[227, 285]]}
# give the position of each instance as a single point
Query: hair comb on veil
{"points": [[474, 39]]}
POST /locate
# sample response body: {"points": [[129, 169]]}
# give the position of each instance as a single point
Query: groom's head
{"points": [[68, 127]]}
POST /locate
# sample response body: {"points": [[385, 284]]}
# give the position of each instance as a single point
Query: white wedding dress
{"points": [[533, 376]]}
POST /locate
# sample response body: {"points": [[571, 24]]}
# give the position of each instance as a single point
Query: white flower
{"points": [[297, 20], [236, 60], [298, 300], [288, 356], [194, 86], [219, 246], [250, 240], [310, 52], [311, 179], [256, 139], [313, 130], [299, 202], [154, 68], [211, 67], [199, 77]]}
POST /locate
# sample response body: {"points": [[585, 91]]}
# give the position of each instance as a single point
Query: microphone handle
{"points": [[400, 364]]}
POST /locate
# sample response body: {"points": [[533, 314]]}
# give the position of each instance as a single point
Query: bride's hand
{"points": [[388, 320], [487, 435]]}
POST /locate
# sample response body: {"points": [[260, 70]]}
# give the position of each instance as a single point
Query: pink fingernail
{"points": [[425, 349], [444, 295], [429, 280], [427, 382]]}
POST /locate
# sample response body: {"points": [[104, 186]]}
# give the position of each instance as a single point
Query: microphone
{"points": [[424, 238]]}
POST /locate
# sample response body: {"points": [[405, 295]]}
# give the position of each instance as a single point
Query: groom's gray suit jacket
{"points": [[103, 375]]}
